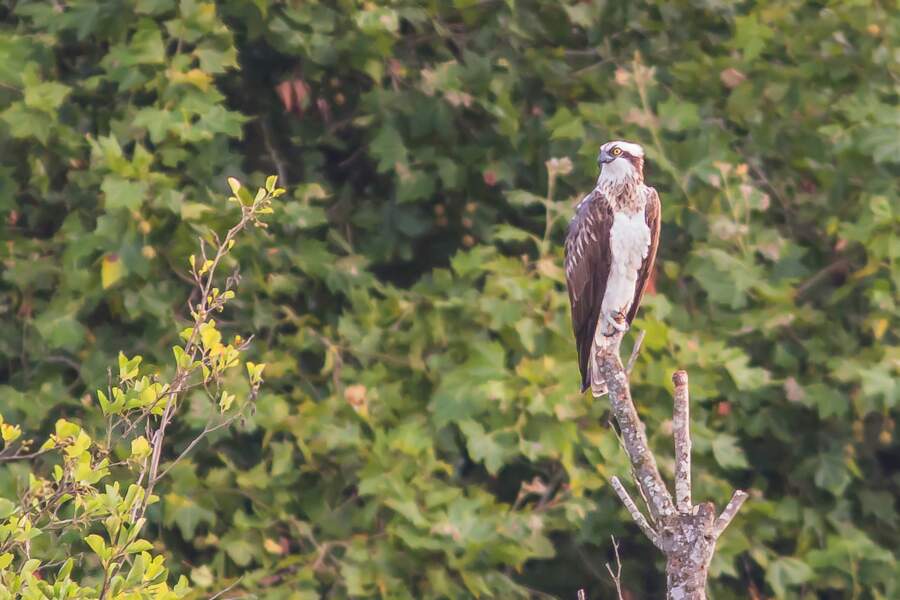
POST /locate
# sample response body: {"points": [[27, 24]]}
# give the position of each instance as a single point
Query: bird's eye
{"points": [[616, 151]]}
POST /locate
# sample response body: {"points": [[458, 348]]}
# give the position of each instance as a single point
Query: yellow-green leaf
{"points": [[10, 432], [209, 335], [111, 270], [140, 448], [226, 401], [96, 544], [139, 546]]}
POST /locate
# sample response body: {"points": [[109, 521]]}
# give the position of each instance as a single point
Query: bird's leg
{"points": [[618, 321], [613, 322]]}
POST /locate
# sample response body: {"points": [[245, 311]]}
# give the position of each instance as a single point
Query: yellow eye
{"points": [[616, 151]]}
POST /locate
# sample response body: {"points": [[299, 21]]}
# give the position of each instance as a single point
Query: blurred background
{"points": [[420, 433]]}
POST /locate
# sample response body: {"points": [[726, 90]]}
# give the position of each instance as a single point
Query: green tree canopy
{"points": [[420, 434]]}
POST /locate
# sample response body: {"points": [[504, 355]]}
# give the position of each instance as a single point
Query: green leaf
{"points": [[61, 331], [153, 7], [831, 474], [25, 122], [483, 447], [787, 571], [565, 125], [186, 514], [146, 46], [65, 570], [213, 60], [727, 453], [182, 359], [388, 148], [121, 194], [46, 96], [104, 402], [751, 36], [138, 546], [745, 377], [7, 507], [240, 550], [98, 545]]}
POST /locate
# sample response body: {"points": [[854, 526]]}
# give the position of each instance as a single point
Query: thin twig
{"points": [[617, 576], [206, 431], [635, 512], [28, 456], [838, 265], [273, 153], [227, 589], [634, 352]]}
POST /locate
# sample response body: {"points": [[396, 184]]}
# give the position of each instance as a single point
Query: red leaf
{"points": [[284, 93]]}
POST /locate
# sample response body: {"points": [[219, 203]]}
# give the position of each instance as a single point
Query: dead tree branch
{"points": [[685, 533], [617, 576]]}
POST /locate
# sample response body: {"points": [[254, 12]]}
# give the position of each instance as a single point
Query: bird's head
{"points": [[620, 160]]}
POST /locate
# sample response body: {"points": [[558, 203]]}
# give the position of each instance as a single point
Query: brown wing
{"points": [[651, 213], [588, 259]]}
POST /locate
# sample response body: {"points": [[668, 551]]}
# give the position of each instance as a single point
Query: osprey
{"points": [[610, 249]]}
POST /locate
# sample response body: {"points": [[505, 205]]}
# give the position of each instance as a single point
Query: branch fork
{"points": [[684, 532]]}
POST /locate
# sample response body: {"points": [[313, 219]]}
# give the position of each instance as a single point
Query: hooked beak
{"points": [[605, 157]]}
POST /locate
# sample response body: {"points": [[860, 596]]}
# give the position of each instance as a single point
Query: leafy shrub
{"points": [[57, 510]]}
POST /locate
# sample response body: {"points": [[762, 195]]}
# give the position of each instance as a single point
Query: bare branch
{"points": [[634, 477], [734, 505], [634, 352], [635, 512], [227, 589], [634, 437], [681, 431], [18, 456], [617, 576], [206, 431], [273, 153]]}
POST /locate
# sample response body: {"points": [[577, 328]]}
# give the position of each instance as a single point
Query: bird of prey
{"points": [[610, 250]]}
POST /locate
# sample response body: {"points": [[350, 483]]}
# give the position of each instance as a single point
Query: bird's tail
{"points": [[598, 385]]}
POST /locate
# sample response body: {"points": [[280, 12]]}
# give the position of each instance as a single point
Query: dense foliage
{"points": [[420, 434]]}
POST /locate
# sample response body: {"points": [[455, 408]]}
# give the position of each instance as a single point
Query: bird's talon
{"points": [[609, 326], [618, 322]]}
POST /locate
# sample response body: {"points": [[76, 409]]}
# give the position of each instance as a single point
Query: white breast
{"points": [[629, 243]]}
